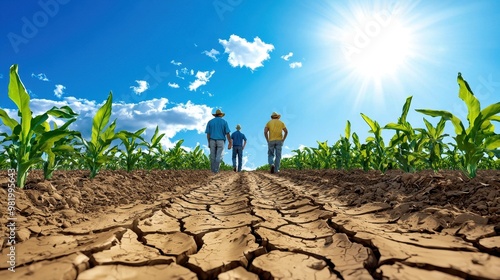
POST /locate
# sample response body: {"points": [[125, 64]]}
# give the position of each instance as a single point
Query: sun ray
{"points": [[376, 46]]}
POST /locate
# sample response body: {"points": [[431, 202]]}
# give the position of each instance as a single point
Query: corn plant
{"points": [[342, 148], [173, 158], [63, 149], [479, 137], [8, 156], [31, 137], [298, 161], [433, 143], [97, 152], [380, 153], [406, 144], [132, 152], [196, 159], [324, 155], [153, 147], [361, 154]]}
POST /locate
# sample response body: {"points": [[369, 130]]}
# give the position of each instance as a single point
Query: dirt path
{"points": [[254, 225]]}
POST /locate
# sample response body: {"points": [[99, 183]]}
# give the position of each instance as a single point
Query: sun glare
{"points": [[384, 55], [373, 47]]}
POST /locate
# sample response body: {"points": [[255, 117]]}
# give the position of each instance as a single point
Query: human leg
{"points": [[213, 146], [279, 146], [270, 152], [239, 152], [235, 153], [218, 155]]}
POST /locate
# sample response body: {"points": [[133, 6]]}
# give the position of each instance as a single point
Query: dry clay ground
{"points": [[324, 224]]}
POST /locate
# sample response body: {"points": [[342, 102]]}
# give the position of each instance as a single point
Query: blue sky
{"points": [[317, 63]]}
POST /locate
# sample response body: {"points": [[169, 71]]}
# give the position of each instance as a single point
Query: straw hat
{"points": [[219, 113], [275, 115], [238, 127]]}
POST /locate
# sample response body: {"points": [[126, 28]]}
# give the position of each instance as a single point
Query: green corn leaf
{"points": [[101, 119], [440, 126], [65, 112], [156, 138], [430, 129], [18, 94], [7, 120], [109, 133], [465, 93], [50, 137], [457, 123], [492, 142], [406, 108], [63, 148], [373, 124], [397, 126], [348, 129], [491, 112], [39, 123]]}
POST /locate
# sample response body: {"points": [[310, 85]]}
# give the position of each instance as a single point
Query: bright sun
{"points": [[377, 46], [383, 54]]}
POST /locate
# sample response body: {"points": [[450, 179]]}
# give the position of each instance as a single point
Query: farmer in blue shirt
{"points": [[239, 142], [217, 131]]}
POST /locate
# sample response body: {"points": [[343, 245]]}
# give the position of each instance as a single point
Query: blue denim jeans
{"points": [[238, 152], [216, 148], [274, 153]]}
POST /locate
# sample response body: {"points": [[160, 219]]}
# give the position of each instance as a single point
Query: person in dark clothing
{"points": [[239, 142]]}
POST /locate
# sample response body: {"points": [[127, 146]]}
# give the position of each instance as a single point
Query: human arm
{"points": [[230, 144], [208, 139], [286, 133], [266, 133]]}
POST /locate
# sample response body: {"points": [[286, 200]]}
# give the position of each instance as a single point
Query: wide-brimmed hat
{"points": [[238, 127], [219, 113], [275, 115]]}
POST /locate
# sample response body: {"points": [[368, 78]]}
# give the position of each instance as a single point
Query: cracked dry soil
{"points": [[313, 224]]}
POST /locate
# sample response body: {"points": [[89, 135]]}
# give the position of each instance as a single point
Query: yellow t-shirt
{"points": [[275, 127]]}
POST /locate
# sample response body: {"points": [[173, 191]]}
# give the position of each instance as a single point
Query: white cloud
{"points": [[183, 72], [41, 77], [302, 147], [178, 75], [59, 91], [212, 53], [287, 57], [173, 85], [207, 93], [143, 86], [202, 78], [243, 53], [287, 155], [176, 63], [296, 65]]}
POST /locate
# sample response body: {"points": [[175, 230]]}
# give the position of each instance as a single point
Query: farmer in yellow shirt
{"points": [[275, 133]]}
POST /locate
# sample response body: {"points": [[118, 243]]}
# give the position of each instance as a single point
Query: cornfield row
{"points": [[34, 143], [413, 149]]}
